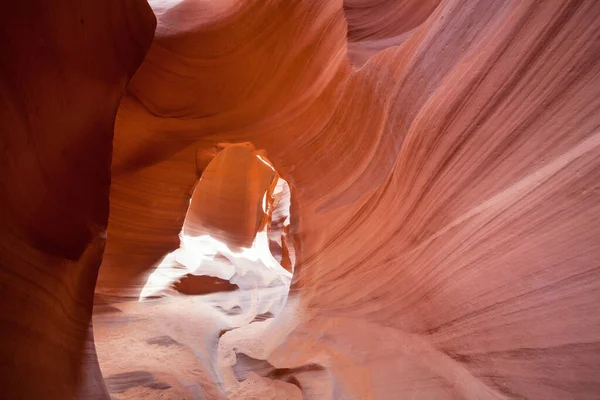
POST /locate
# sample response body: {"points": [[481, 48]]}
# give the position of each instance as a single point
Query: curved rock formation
{"points": [[228, 200], [444, 196], [64, 68], [374, 25]]}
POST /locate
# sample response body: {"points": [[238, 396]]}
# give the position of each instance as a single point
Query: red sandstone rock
{"points": [[64, 68], [374, 25], [227, 202], [444, 197], [197, 285]]}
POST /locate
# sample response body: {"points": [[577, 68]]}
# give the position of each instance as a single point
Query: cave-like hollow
{"points": [[167, 328]]}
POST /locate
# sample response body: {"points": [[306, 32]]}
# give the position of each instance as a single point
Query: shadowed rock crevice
{"points": [[164, 341], [246, 365], [194, 285], [121, 382]]}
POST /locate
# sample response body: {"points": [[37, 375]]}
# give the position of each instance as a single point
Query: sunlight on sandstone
{"points": [[197, 256]]}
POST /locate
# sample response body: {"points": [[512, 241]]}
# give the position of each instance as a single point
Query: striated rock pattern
{"points": [[374, 25], [443, 161], [228, 200], [64, 68]]}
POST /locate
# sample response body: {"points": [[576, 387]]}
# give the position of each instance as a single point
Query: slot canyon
{"points": [[300, 199]]}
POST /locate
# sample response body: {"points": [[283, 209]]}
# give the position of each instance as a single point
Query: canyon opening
{"points": [[300, 199], [200, 304]]}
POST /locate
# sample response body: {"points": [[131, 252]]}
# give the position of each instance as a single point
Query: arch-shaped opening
{"points": [[233, 268]]}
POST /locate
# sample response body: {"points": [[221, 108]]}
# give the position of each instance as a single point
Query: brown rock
{"points": [[64, 67]]}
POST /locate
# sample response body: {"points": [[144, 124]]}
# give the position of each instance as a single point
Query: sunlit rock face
{"points": [[212, 294], [228, 200], [443, 167]]}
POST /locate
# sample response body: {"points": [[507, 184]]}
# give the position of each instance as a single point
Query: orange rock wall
{"points": [[227, 202], [443, 194], [444, 207]]}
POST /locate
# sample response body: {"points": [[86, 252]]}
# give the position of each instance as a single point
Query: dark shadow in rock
{"points": [[163, 341], [235, 310], [103, 305], [114, 320], [158, 385], [246, 364], [280, 373], [289, 375], [224, 331], [222, 257], [263, 368], [276, 250], [201, 284], [294, 381], [121, 382], [263, 317], [105, 309]]}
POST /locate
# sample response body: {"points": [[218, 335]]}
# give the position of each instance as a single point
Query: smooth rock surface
{"points": [[64, 68], [443, 163], [444, 196]]}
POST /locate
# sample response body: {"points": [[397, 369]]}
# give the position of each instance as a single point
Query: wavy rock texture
{"points": [[374, 25], [443, 162], [64, 68], [236, 180]]}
